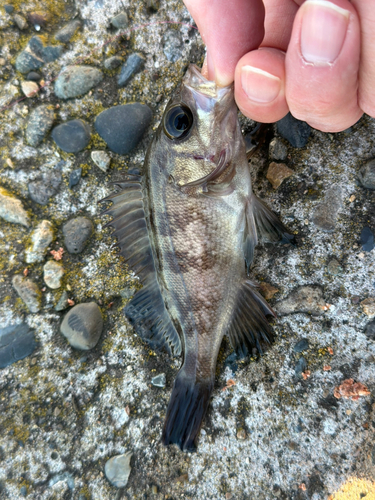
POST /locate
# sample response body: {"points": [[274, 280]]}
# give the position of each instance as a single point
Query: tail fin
{"points": [[186, 410]]}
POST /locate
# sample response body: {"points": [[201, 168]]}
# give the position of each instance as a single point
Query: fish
{"points": [[188, 228]]}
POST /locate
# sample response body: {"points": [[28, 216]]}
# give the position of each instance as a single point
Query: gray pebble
{"points": [[113, 62], [307, 299], [133, 65], [67, 32], [33, 76], [301, 366], [36, 54], [11, 209], [173, 46], [295, 131], [122, 127], [43, 188], [120, 21], [62, 303], [277, 150], [76, 81], [39, 124], [302, 345], [76, 233], [159, 380], [117, 470], [101, 159], [20, 21], [28, 292], [40, 238], [334, 267], [52, 273], [72, 136], [82, 326], [366, 175], [75, 177], [9, 9], [367, 239], [16, 342], [370, 330], [64, 476], [325, 214]]}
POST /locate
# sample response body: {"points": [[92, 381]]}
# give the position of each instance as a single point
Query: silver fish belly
{"points": [[188, 228]]}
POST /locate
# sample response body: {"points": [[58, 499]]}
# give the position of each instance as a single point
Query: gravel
{"points": [[366, 175], [133, 65], [325, 215], [52, 274], [72, 136], [39, 124], [28, 291], [77, 233], [82, 326], [117, 469], [68, 31], [40, 239], [46, 186], [76, 81], [11, 209]]}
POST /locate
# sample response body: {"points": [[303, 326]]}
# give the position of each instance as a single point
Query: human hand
{"points": [[316, 60]]}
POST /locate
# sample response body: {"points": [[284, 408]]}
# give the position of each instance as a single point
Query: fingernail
{"points": [[259, 85], [323, 31]]}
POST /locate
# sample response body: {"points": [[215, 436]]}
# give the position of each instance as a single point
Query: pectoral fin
{"points": [[269, 226]]}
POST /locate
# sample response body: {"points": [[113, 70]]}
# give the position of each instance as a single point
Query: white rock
{"points": [[30, 89], [41, 237], [101, 159], [11, 209], [117, 469], [53, 272]]}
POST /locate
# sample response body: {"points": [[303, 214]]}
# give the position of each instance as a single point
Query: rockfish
{"points": [[188, 228]]}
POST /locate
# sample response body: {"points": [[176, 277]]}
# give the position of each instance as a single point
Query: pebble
{"points": [[334, 267], [72, 136], [367, 239], [306, 299], [366, 175], [28, 292], [325, 214], [36, 54], [122, 127], [75, 177], [368, 306], [159, 380], [268, 291], [370, 330], [62, 303], [133, 65], [43, 188], [152, 6], [277, 150], [294, 131], [76, 233], [173, 46], [117, 470], [113, 62], [40, 238], [83, 325], [16, 342], [300, 367], [101, 159], [241, 434], [11, 209], [33, 76], [30, 89], [120, 21], [302, 345], [67, 32], [9, 9], [76, 81], [52, 273], [277, 172], [39, 124], [20, 21]]}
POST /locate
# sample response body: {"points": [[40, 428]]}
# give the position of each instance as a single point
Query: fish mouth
{"points": [[205, 92]]}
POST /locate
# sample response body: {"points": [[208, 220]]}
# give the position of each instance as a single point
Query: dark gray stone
{"points": [[82, 326], [39, 124], [302, 345], [75, 177], [112, 62], [76, 233], [33, 76], [42, 189], [75, 81], [367, 239], [16, 342], [172, 46], [120, 21], [134, 64], [366, 175], [52, 53], [277, 150], [370, 330], [9, 8], [62, 303], [72, 136], [300, 367], [122, 127], [293, 130], [325, 214], [67, 32], [36, 54]]}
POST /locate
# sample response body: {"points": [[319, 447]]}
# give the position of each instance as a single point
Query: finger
{"points": [[260, 85], [322, 64], [366, 12], [229, 30]]}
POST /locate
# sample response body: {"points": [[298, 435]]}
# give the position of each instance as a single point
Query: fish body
{"points": [[188, 228]]}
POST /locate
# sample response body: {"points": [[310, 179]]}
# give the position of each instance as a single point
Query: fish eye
{"points": [[177, 122]]}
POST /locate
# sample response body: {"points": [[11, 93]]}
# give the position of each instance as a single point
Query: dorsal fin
{"points": [[146, 311]]}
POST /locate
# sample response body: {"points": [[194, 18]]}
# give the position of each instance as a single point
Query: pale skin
{"points": [[314, 58]]}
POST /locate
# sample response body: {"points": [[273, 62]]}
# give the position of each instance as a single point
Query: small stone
{"points": [[133, 65], [334, 267], [325, 214], [367, 239], [41, 237], [268, 291], [159, 380], [122, 127], [43, 188], [277, 150], [30, 89], [56, 411], [101, 159], [154, 489], [28, 292], [370, 330], [82, 326], [368, 306], [39, 124], [9, 9], [120, 21], [38, 19], [20, 21], [76, 81], [302, 345], [173, 46], [11, 209], [306, 299], [366, 175], [300, 367], [75, 177], [277, 172], [76, 233], [36, 54], [53, 272], [117, 470], [295, 131], [72, 136], [67, 32], [241, 434], [33, 76], [62, 303], [16, 342], [112, 62], [355, 299]]}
